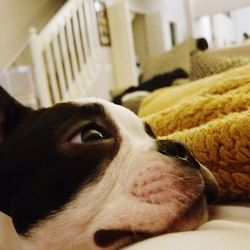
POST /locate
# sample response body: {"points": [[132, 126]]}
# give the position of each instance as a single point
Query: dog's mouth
{"points": [[118, 238]]}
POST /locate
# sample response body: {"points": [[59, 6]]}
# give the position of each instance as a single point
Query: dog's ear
{"points": [[11, 113]]}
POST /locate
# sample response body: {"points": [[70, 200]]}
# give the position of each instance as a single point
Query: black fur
{"points": [[156, 82], [40, 170]]}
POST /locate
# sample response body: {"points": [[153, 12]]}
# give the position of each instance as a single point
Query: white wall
{"points": [[218, 29], [16, 17], [123, 51], [103, 84], [224, 30], [140, 39], [155, 33], [241, 19], [169, 10], [141, 6], [203, 28], [172, 11]]}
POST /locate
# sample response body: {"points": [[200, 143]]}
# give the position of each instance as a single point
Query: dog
{"points": [[92, 175]]}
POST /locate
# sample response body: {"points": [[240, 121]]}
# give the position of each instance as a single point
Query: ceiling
{"points": [[205, 7]]}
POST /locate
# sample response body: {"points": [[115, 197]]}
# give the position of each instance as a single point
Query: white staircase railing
{"points": [[65, 53]]}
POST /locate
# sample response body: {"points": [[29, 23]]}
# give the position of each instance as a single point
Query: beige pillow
{"points": [[178, 57], [205, 64]]}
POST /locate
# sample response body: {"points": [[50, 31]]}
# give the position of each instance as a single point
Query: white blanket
{"points": [[227, 229]]}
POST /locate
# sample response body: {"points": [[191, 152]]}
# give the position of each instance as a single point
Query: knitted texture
{"points": [[205, 64], [222, 145], [178, 57], [214, 121]]}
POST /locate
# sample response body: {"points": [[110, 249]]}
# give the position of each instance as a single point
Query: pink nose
{"points": [[155, 185]]}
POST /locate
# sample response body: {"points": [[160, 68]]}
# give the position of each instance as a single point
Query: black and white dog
{"points": [[91, 175]]}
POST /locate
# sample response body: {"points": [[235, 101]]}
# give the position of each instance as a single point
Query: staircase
{"points": [[65, 53], [65, 59]]}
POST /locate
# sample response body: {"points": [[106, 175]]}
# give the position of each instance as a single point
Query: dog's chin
{"points": [[113, 239]]}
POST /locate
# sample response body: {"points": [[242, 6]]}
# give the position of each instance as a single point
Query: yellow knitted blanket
{"points": [[212, 116]]}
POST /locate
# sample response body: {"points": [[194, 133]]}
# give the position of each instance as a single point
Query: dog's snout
{"points": [[177, 149]]}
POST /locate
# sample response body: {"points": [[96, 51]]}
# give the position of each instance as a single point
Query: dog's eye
{"points": [[91, 135], [88, 136]]}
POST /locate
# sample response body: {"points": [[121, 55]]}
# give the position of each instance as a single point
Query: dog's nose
{"points": [[179, 150]]}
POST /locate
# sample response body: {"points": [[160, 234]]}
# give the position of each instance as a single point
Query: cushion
{"points": [[132, 100], [228, 229], [212, 117], [205, 64], [178, 57]]}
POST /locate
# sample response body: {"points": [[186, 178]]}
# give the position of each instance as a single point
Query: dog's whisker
{"points": [[186, 197], [155, 207]]}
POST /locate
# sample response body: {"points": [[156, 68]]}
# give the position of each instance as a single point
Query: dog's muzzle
{"points": [[172, 183], [181, 152]]}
